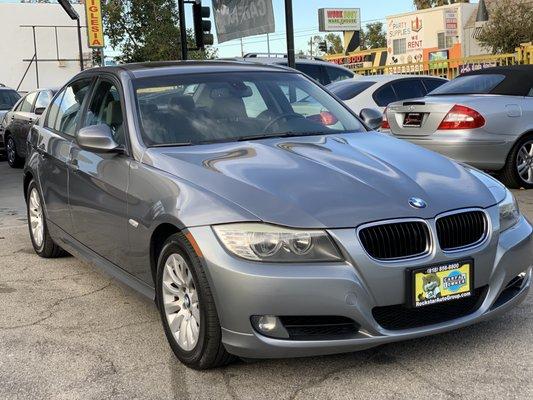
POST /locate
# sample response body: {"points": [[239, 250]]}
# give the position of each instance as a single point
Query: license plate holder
{"points": [[413, 120], [440, 283]]}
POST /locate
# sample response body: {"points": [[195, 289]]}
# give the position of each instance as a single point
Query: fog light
{"points": [[269, 325]]}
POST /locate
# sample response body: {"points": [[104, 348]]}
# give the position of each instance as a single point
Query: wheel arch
{"points": [[160, 234], [28, 177], [520, 137]]}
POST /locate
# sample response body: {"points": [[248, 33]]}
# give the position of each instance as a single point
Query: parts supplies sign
{"points": [[95, 29], [236, 19]]}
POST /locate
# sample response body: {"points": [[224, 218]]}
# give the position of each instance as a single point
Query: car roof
{"points": [[518, 79], [146, 69], [394, 77]]}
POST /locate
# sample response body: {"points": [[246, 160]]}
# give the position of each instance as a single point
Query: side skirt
{"points": [[82, 252]]}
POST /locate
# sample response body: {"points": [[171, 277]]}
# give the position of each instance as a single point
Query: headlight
{"points": [[509, 212], [269, 243]]}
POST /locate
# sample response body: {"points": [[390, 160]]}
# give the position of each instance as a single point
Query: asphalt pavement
{"points": [[68, 331]]}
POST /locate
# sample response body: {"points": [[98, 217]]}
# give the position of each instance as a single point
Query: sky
{"points": [[306, 23]]}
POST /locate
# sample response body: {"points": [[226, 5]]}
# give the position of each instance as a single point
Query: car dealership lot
{"points": [[69, 331]]}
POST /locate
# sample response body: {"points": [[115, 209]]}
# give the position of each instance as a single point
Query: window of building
{"points": [[443, 41], [399, 46]]}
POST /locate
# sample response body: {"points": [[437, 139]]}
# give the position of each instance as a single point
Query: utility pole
{"points": [[289, 28], [268, 44], [183, 29], [242, 48]]}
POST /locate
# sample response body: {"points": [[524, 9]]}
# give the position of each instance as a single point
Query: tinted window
{"points": [[27, 103], [470, 84], [231, 106], [8, 98], [65, 110], [384, 95], [43, 99], [409, 89], [432, 84], [338, 74], [347, 90], [105, 108], [313, 71]]}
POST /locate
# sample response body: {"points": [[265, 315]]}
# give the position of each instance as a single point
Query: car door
{"points": [[22, 122], [54, 142], [98, 182]]}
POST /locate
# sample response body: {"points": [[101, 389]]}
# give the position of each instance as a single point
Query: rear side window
{"points": [[27, 103], [409, 89], [313, 71], [8, 98], [384, 95], [432, 84], [347, 90], [338, 74], [470, 84], [65, 110]]}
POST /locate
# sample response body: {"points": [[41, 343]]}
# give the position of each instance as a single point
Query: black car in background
{"points": [[17, 123], [8, 98]]}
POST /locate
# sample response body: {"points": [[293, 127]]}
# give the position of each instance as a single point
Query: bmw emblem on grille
{"points": [[417, 202]]}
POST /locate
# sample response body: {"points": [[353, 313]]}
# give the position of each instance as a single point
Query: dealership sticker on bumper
{"points": [[442, 283]]}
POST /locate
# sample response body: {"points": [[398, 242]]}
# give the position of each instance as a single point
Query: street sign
{"points": [[95, 29], [339, 19], [236, 19]]}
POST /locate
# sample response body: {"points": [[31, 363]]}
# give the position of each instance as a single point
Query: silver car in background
{"points": [[483, 118]]}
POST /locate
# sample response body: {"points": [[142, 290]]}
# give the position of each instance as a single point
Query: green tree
{"points": [[334, 43], [145, 30], [373, 37], [422, 4], [510, 24]]}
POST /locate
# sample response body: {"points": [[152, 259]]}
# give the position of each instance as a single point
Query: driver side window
{"points": [[105, 108]]}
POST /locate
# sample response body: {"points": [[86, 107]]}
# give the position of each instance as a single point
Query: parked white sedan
{"points": [[380, 90]]}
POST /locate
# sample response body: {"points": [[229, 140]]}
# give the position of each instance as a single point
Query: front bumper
{"points": [[350, 289], [482, 151]]}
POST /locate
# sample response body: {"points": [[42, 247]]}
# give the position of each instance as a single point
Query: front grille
{"points": [[402, 317], [319, 327], [461, 230], [395, 240]]}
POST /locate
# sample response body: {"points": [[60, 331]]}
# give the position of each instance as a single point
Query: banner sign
{"points": [[95, 28], [339, 19], [450, 22], [235, 19]]}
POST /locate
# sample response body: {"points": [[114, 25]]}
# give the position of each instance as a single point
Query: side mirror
{"points": [[39, 110], [98, 139], [371, 117]]}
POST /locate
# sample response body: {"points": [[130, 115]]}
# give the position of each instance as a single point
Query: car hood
{"points": [[330, 181]]}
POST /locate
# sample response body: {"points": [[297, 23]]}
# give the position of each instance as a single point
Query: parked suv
{"points": [[314, 67], [17, 123], [8, 98]]}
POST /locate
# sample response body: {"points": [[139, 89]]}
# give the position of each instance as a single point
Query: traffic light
{"points": [[323, 46], [202, 27]]}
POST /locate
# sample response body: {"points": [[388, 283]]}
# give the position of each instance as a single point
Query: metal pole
{"points": [[289, 27], [183, 29], [79, 43], [268, 44], [242, 48], [35, 55]]}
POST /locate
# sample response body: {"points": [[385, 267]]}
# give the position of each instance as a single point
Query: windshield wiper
{"points": [[172, 144]]}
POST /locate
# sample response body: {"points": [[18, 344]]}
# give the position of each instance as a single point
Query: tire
{"points": [[510, 174], [13, 159], [42, 243], [182, 304]]}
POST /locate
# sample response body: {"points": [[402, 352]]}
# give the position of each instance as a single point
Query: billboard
{"points": [[450, 22], [339, 19], [235, 19], [95, 29]]}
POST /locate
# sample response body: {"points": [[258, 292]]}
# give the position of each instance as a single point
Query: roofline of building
{"points": [[427, 10]]}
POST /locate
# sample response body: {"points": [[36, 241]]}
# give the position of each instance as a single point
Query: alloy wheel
{"points": [[524, 162], [36, 218], [11, 151], [181, 303]]}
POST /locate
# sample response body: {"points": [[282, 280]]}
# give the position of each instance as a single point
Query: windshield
{"points": [[347, 90], [204, 108], [470, 84], [8, 98]]}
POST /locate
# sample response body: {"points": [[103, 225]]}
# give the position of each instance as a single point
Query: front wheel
{"points": [[13, 159], [518, 170], [187, 307], [41, 240]]}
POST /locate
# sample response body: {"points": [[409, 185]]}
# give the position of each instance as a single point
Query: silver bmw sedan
{"points": [[263, 217]]}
